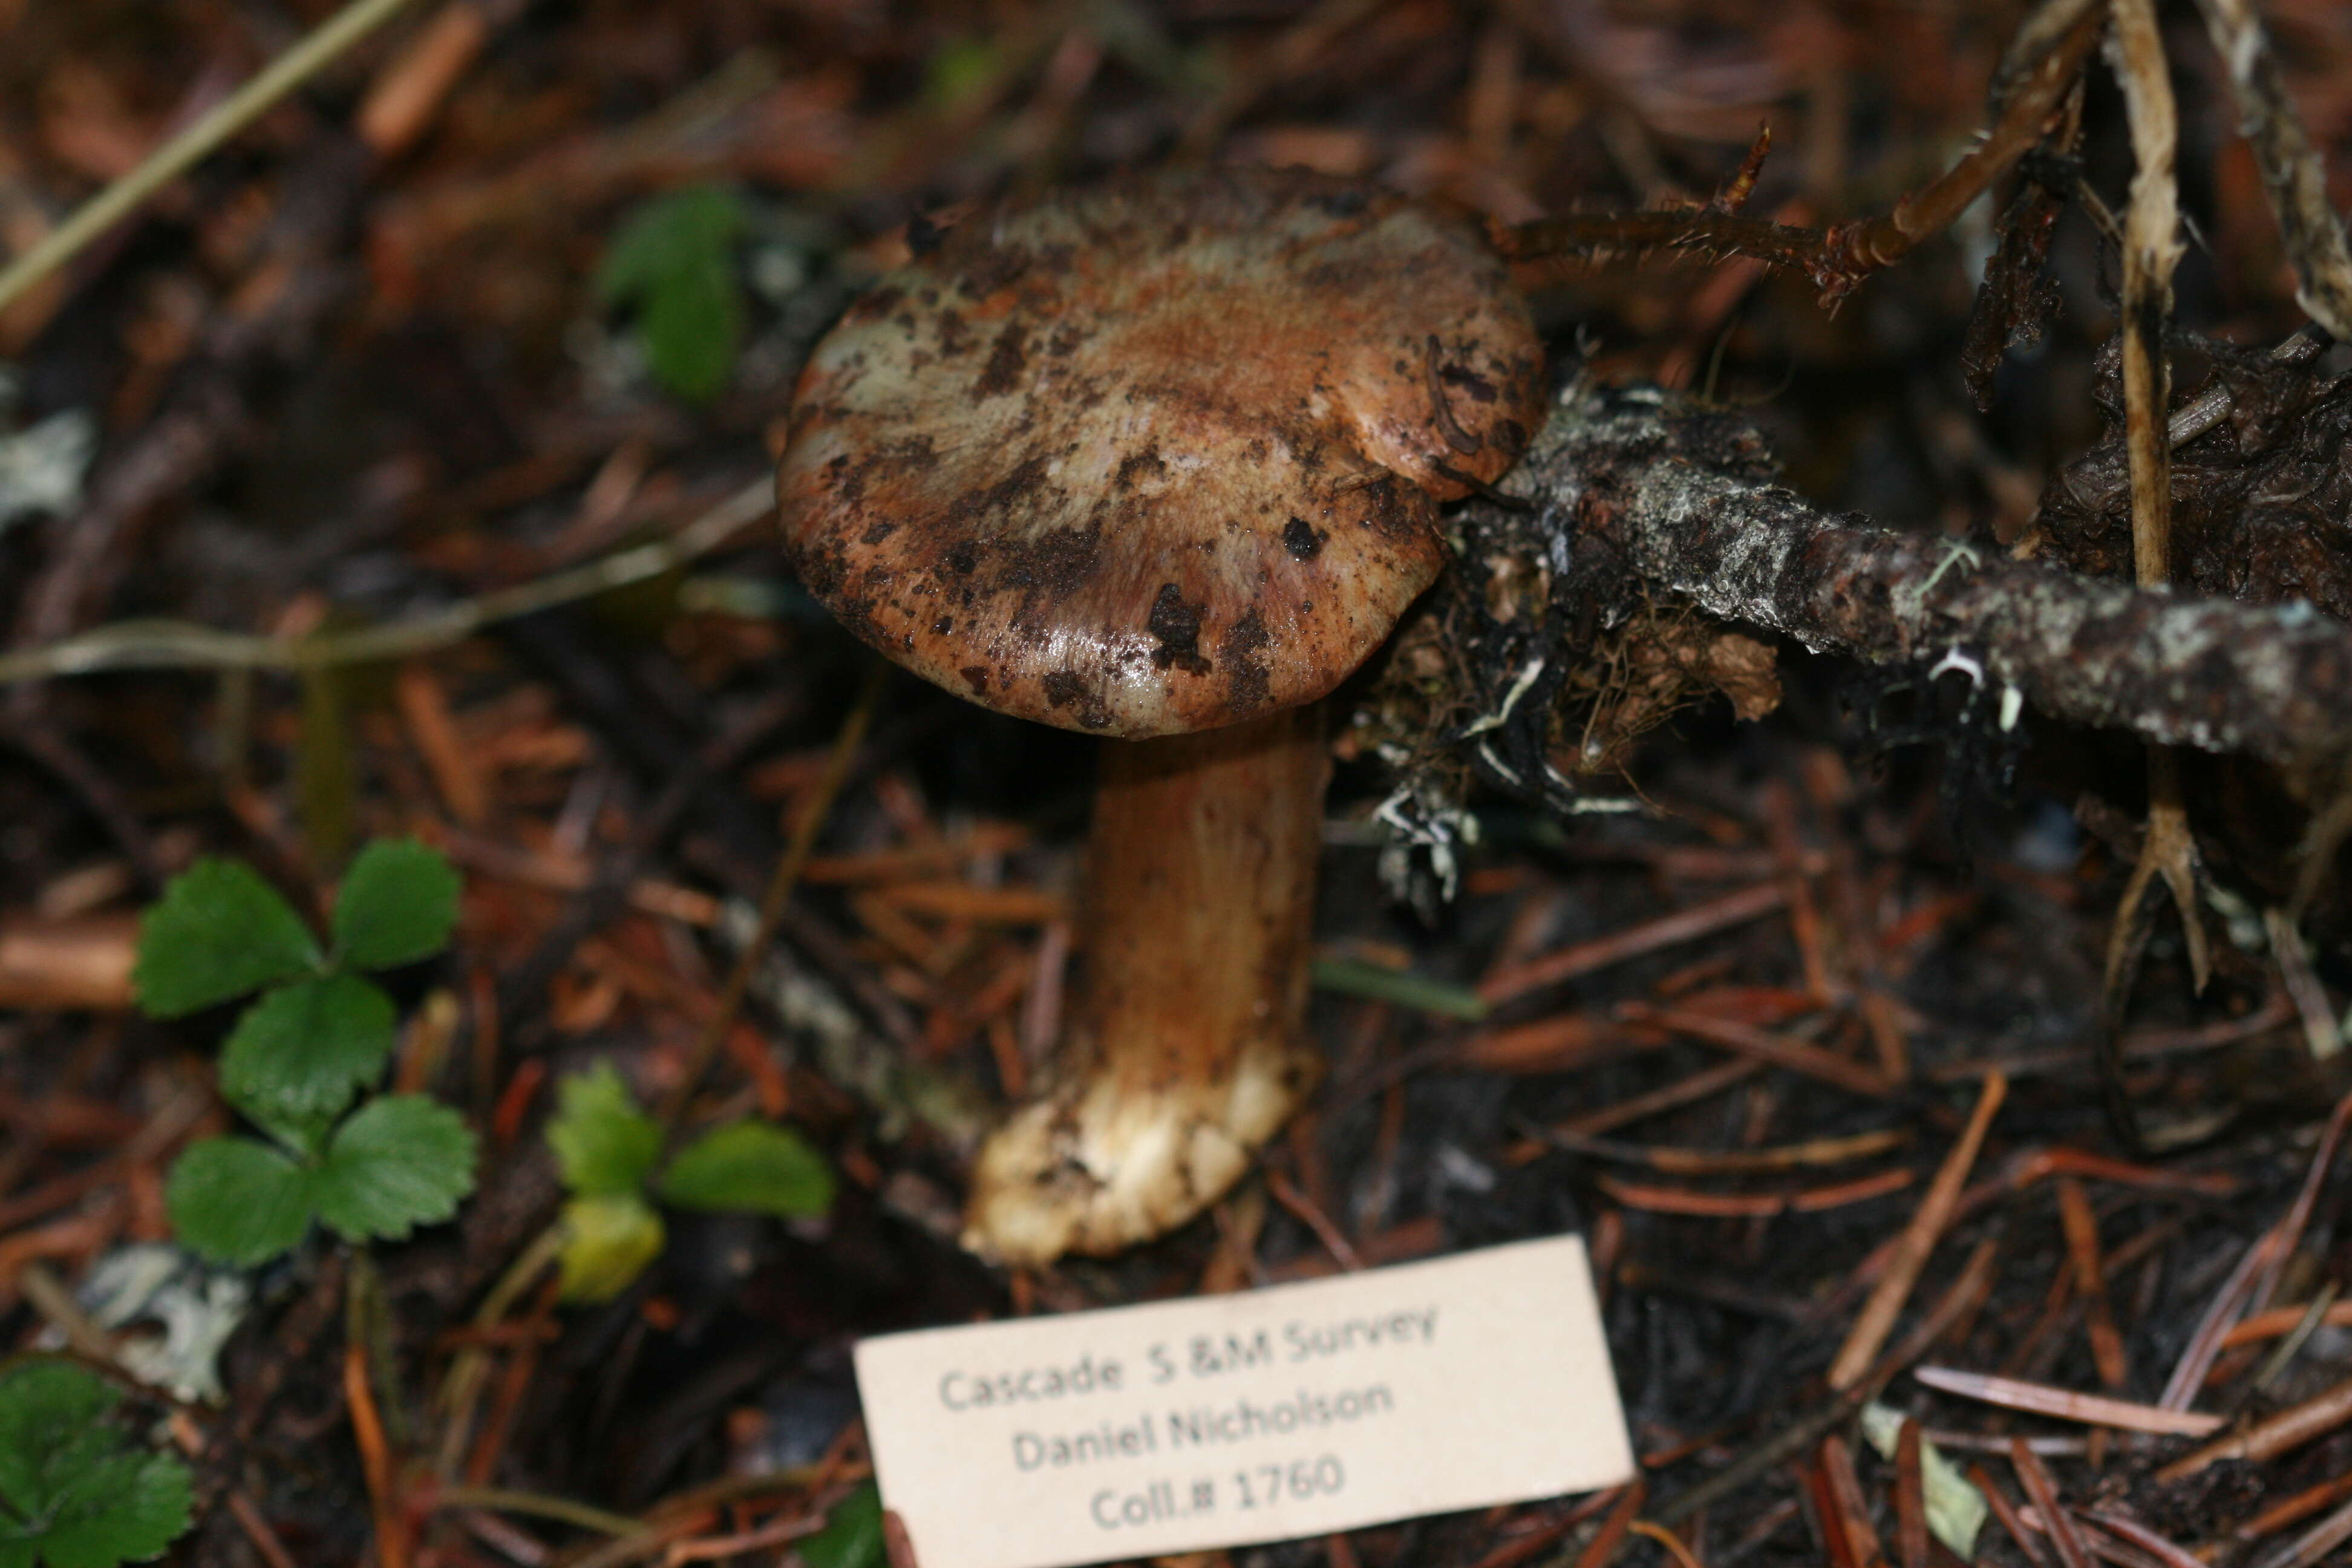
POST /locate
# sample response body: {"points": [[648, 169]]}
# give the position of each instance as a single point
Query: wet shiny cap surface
{"points": [[1160, 454]]}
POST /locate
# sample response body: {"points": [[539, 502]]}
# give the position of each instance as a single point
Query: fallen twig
{"points": [[1685, 497], [2090, 1409]]}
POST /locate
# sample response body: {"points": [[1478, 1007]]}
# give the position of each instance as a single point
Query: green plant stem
{"points": [[367, 1319], [281, 76], [1354, 977], [500, 1500], [182, 645], [778, 896], [463, 1385]]}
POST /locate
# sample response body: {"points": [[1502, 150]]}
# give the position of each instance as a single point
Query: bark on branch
{"points": [[1685, 497]]}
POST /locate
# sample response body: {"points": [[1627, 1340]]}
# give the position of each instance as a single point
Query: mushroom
{"points": [[1160, 460]]}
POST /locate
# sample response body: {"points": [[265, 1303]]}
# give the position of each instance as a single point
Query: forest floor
{"points": [[319, 481]]}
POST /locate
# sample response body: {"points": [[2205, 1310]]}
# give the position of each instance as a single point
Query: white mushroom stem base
{"points": [[1186, 1049]]}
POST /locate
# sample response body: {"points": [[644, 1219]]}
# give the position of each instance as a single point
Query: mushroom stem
{"points": [[1186, 1048]]}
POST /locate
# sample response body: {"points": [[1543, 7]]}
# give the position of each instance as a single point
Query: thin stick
{"points": [[1683, 925], [1964, 1295], [1910, 1498], [1746, 1205], [2288, 1510], [2292, 175], [1667, 1539], [2006, 1511], [2256, 1275], [1602, 1548], [2312, 1547], [2290, 1428], [1876, 1321], [2081, 1227], [2090, 1409], [180, 645], [1835, 259], [563, 1510], [1307, 1213], [2055, 1520], [257, 1531], [1796, 1055], [2151, 248], [2137, 1535], [1845, 1489], [778, 896], [167, 163]]}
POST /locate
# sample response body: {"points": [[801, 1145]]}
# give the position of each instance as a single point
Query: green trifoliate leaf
{"points": [[218, 931], [608, 1241], [400, 1162], [754, 1166], [675, 260], [603, 1142], [299, 1055], [852, 1536], [73, 1492], [237, 1201], [398, 904]]}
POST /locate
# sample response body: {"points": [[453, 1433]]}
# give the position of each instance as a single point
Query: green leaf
{"points": [[750, 1165], [603, 1142], [675, 260], [1956, 1510], [298, 1055], [608, 1241], [400, 1162], [73, 1492], [852, 1536], [398, 904], [218, 931], [237, 1201]]}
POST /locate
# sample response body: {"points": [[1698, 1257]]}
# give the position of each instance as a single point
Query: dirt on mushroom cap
{"points": [[1159, 454]]}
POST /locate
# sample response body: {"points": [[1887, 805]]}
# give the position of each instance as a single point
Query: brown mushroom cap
{"points": [[1160, 454]]}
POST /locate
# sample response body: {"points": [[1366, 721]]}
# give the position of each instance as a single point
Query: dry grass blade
{"points": [[1876, 1321], [2091, 1409], [2292, 175], [289, 70]]}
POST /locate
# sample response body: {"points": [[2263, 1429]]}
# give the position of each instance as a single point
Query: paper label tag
{"points": [[1458, 1383]]}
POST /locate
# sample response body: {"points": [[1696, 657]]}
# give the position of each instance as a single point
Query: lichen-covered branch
{"points": [[1684, 496]]}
